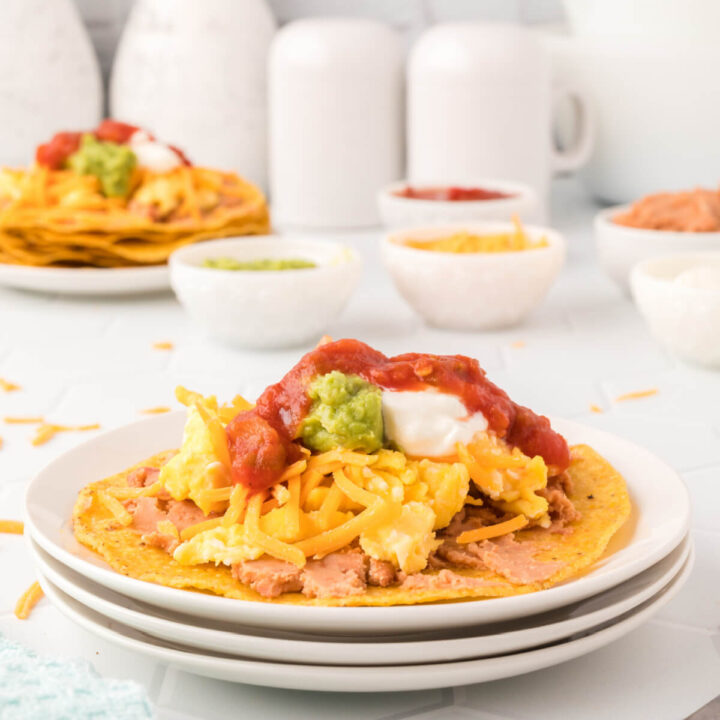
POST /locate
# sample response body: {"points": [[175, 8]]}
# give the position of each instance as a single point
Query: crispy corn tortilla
{"points": [[599, 493]]}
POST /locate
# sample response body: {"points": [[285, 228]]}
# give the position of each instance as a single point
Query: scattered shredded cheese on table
{"points": [[47, 431], [637, 395], [15, 527], [7, 386], [163, 345], [28, 600], [159, 410]]}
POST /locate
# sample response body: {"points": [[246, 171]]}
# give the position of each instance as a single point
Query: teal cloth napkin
{"points": [[40, 688]]}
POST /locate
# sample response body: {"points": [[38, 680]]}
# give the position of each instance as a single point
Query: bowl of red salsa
{"points": [[406, 204]]}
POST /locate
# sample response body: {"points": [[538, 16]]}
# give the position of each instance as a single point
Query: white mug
{"points": [[481, 104], [336, 121], [657, 116]]}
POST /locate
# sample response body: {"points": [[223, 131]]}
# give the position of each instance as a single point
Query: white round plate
{"points": [[659, 521], [483, 641], [86, 281], [387, 678]]}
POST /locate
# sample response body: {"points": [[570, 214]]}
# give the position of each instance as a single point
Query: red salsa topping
{"points": [[451, 194], [114, 131], [54, 154], [261, 440]]}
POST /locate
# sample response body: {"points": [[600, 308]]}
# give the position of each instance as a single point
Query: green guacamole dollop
{"points": [[346, 412], [112, 164], [226, 263]]}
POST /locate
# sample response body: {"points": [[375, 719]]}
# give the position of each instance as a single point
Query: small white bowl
{"points": [[684, 319], [619, 248], [265, 309], [397, 211], [472, 291]]}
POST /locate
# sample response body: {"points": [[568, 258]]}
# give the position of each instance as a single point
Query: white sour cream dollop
{"points": [[428, 423], [153, 155]]}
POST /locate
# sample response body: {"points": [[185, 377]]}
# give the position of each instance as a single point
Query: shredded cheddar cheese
{"points": [[491, 531], [271, 545], [467, 242], [324, 503], [7, 386], [47, 431], [190, 532], [163, 345], [388, 504], [637, 395], [27, 601], [165, 527], [116, 508], [31, 420], [159, 410], [237, 506], [15, 527]]}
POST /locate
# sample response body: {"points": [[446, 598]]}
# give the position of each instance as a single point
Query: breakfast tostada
{"points": [[117, 196], [360, 479]]}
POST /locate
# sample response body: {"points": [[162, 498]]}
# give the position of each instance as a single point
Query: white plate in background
{"points": [[86, 281]]}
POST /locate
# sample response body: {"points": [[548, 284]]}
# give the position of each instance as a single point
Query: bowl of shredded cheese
{"points": [[479, 276]]}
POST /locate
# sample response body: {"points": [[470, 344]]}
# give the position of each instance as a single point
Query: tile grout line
{"points": [[461, 700], [674, 625], [445, 701]]}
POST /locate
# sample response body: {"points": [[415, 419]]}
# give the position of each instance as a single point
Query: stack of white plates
{"points": [[361, 649]]}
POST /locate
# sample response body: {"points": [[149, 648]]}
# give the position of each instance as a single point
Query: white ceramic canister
{"points": [[336, 121], [194, 74], [49, 76], [481, 104]]}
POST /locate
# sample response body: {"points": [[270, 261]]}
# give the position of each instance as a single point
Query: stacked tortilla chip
{"points": [[58, 219]]}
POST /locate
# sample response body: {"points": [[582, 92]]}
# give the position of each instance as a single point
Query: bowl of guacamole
{"points": [[272, 292], [258, 264]]}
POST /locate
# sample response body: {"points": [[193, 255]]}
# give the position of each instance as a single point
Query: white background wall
{"points": [[105, 18]]}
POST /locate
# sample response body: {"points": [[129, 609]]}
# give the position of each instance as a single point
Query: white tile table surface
{"points": [[81, 361]]}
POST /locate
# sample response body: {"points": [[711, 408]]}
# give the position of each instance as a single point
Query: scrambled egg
{"points": [[196, 467], [508, 476], [11, 184], [221, 544], [164, 192], [431, 493], [228, 545], [407, 541]]}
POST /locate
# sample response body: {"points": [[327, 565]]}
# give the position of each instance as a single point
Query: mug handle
{"points": [[565, 161]]}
